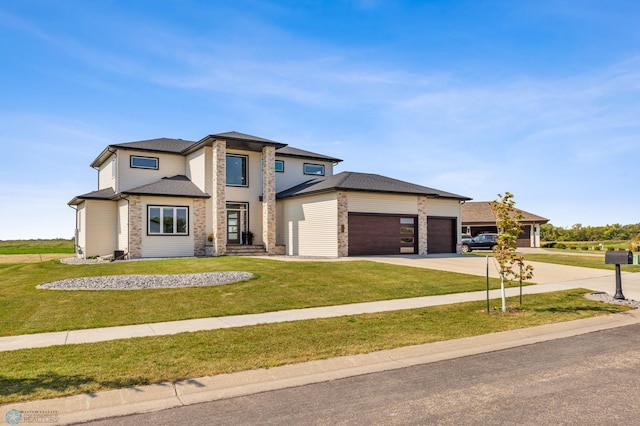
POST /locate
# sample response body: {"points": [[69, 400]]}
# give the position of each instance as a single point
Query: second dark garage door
{"points": [[376, 234], [441, 234]]}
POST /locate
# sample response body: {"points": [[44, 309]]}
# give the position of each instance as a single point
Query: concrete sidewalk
{"points": [[631, 288], [87, 407], [142, 399]]}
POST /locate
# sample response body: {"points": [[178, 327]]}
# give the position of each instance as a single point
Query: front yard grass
{"points": [[279, 285], [33, 374], [576, 260]]}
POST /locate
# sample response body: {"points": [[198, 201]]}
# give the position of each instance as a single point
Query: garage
{"points": [[382, 234], [441, 234]]}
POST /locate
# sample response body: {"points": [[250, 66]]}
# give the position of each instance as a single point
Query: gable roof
{"points": [[289, 151], [176, 186], [480, 212], [366, 182], [102, 194]]}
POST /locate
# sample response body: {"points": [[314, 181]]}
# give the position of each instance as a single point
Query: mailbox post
{"points": [[618, 258]]}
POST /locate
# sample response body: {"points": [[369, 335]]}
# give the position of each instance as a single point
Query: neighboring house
{"points": [[172, 197], [477, 218]]}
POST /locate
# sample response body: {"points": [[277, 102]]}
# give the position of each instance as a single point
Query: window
{"points": [[144, 162], [237, 170], [406, 220], [313, 169], [279, 166], [113, 168], [168, 220]]}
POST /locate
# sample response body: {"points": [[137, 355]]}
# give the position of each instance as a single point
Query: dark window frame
{"points": [[245, 158], [304, 169], [276, 167], [132, 157]]}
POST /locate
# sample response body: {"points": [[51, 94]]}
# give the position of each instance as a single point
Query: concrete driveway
{"points": [[543, 273]]}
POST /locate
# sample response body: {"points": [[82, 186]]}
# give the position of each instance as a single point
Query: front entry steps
{"points": [[245, 250]]}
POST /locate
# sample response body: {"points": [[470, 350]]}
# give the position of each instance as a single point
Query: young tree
{"points": [[511, 266]]}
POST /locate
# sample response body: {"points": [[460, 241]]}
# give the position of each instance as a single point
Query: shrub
{"points": [[561, 246], [573, 248], [585, 247]]}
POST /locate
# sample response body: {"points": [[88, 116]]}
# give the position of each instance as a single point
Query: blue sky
{"points": [[473, 97]]}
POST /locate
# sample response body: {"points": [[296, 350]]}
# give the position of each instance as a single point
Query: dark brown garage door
{"points": [[382, 234], [441, 235]]}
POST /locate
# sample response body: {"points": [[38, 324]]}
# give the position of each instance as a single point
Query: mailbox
{"points": [[613, 257]]}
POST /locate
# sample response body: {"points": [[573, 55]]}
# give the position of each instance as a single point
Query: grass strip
{"points": [[279, 285], [575, 260], [33, 374]]}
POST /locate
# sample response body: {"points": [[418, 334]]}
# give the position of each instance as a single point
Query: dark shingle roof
{"points": [[102, 194], [166, 145], [289, 151], [480, 212], [366, 182], [176, 186]]}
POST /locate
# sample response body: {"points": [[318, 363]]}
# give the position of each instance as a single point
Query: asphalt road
{"points": [[592, 379]]}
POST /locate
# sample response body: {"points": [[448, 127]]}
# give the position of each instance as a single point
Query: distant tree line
{"points": [[577, 232]]}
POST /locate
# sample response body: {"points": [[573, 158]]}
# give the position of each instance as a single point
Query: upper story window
{"points": [[279, 166], [237, 170], [113, 168], [144, 162], [314, 169]]}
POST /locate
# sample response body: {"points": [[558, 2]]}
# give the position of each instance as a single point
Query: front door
{"points": [[233, 227]]}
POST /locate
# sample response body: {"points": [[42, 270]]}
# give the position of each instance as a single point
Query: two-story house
{"points": [[172, 197]]}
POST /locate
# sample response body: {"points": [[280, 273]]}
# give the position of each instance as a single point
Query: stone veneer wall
{"points": [[219, 203], [136, 224], [422, 225], [199, 227], [269, 198], [343, 225]]}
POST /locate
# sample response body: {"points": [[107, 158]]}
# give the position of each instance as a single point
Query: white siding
{"points": [[130, 177], [100, 228], [196, 169], [311, 226], [444, 208], [363, 202], [169, 245], [294, 174], [123, 225], [106, 176]]}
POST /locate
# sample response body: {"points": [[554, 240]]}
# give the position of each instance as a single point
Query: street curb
{"points": [[120, 402]]}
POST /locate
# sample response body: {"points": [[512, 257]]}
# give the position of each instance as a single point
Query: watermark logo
{"points": [[14, 417]]}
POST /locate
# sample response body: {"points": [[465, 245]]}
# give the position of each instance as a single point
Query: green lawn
{"points": [[575, 260], [36, 246], [57, 371], [279, 285]]}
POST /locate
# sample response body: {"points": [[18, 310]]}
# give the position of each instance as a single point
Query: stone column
{"points": [[136, 226], [219, 166], [199, 227], [422, 225], [343, 225], [269, 198]]}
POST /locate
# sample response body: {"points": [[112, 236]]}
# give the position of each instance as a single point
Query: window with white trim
{"points": [[167, 220]]}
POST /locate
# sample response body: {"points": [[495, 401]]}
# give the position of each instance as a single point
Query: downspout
{"points": [[75, 232]]}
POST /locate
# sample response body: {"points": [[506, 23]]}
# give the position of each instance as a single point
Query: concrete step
{"points": [[245, 250]]}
